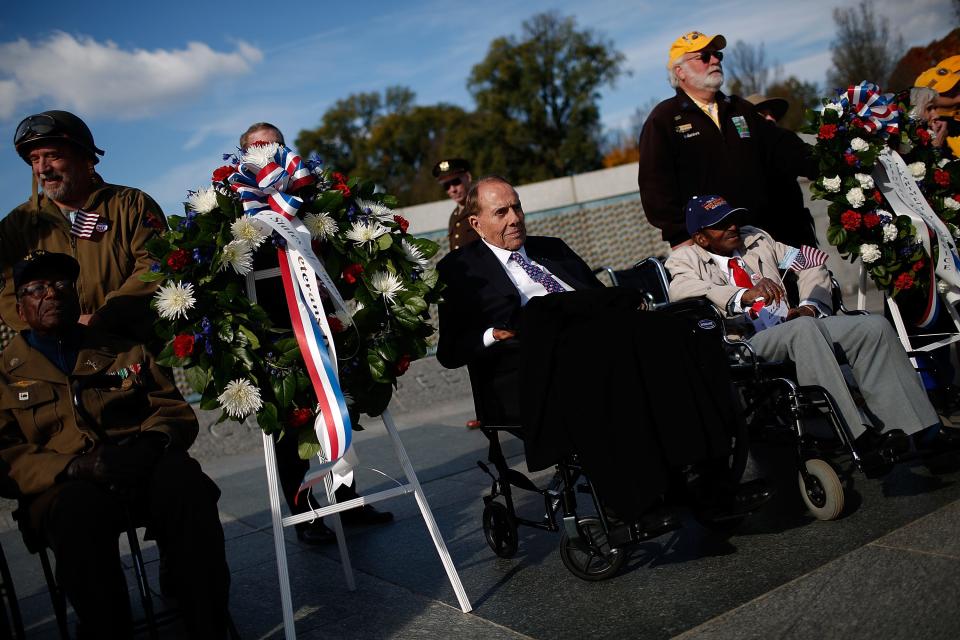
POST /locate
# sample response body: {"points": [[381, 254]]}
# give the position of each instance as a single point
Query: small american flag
{"points": [[84, 224], [803, 258]]}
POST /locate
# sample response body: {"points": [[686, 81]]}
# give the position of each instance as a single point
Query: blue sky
{"points": [[167, 87]]}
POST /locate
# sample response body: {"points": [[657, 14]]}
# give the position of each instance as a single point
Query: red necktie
{"points": [[742, 279]]}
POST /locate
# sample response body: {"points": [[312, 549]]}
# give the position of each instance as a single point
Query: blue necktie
{"points": [[537, 274]]}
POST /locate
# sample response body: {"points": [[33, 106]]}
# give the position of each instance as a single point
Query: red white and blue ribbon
{"points": [[878, 112], [268, 198]]}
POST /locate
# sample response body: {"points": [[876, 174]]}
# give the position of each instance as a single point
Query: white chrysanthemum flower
{"points": [[834, 106], [237, 254], [864, 179], [320, 225], [376, 209], [344, 317], [245, 231], [240, 398], [859, 144], [918, 170], [386, 284], [203, 200], [890, 232], [951, 204], [357, 306], [869, 253], [832, 184], [413, 254], [260, 155], [362, 232], [174, 300], [855, 197]]}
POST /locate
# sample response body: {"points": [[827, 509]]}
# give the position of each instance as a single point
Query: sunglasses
{"points": [[455, 182], [705, 56], [41, 289], [33, 126]]}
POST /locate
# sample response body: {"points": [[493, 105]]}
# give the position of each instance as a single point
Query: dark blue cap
{"points": [[706, 211]]}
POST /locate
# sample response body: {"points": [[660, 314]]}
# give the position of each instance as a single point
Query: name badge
{"points": [[741, 125]]}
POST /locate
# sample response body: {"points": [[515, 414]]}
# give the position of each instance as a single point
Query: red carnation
{"points": [[351, 272], [941, 177], [871, 220], [335, 325], [878, 197], [340, 183], [183, 345], [850, 220], [224, 172], [299, 417], [850, 159], [903, 281], [402, 222], [919, 264], [857, 122], [827, 131], [402, 365], [956, 197], [924, 135], [178, 259]]}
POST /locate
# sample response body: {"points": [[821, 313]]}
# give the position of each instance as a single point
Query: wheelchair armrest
{"points": [[610, 272]]}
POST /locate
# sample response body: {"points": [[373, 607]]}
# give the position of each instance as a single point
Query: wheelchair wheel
{"points": [[598, 560], [821, 489], [500, 530]]}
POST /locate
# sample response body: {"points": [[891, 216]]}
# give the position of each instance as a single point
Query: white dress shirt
{"points": [[526, 286]]}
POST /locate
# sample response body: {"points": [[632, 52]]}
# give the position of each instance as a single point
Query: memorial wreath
{"points": [[893, 197], [357, 287]]}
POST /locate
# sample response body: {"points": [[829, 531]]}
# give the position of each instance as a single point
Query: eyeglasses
{"points": [[706, 54], [33, 126], [42, 289], [455, 182]]}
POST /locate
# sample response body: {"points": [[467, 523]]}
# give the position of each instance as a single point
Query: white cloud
{"points": [[101, 78]]}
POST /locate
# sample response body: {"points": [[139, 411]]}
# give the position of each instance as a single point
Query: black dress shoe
{"points": [[315, 533], [366, 515], [880, 451], [657, 521], [735, 502]]}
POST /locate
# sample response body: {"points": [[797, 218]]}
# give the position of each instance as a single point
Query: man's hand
{"points": [[939, 129], [504, 334], [804, 310], [770, 291], [125, 464]]}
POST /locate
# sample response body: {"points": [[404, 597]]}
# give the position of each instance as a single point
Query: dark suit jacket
{"points": [[479, 294]]}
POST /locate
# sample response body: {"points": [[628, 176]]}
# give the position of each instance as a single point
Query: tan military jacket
{"points": [[111, 260], [122, 388], [459, 231]]}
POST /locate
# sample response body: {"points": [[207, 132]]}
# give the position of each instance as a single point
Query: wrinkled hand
{"points": [[770, 291], [504, 334], [939, 129], [119, 464], [804, 310]]}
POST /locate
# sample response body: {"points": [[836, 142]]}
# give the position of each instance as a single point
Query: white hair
{"points": [[672, 71], [920, 99]]}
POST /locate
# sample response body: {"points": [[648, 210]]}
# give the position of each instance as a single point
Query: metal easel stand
{"points": [[913, 352], [279, 522]]}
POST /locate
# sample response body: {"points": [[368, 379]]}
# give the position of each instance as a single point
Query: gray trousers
{"points": [[894, 395]]}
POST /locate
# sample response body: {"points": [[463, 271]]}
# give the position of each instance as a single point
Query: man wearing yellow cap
{"points": [[702, 141]]}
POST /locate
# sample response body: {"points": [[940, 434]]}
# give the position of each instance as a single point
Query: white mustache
{"points": [[51, 176]]}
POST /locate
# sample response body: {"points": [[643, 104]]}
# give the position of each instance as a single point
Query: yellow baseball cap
{"points": [[942, 77], [694, 41]]}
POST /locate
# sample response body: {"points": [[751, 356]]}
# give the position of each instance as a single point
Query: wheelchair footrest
{"points": [[517, 479]]}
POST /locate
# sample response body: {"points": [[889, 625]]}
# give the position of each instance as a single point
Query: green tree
{"points": [[865, 48], [801, 96], [536, 95]]}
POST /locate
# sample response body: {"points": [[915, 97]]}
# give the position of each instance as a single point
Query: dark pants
{"points": [[80, 521], [291, 470]]}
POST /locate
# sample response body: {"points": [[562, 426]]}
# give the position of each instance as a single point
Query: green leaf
{"points": [[307, 444], [377, 366], [284, 388], [384, 242], [267, 418], [415, 304], [197, 377], [250, 335], [151, 276]]}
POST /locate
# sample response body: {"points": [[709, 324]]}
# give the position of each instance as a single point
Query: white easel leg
{"points": [[279, 544], [341, 540], [427, 514]]}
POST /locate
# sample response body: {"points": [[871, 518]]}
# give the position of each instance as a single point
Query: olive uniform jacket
{"points": [[459, 231], [120, 385], [693, 273], [111, 259]]}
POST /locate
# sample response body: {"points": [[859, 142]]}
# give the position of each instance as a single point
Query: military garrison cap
{"points": [[446, 168]]}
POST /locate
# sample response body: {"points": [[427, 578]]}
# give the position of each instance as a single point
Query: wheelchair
{"points": [[771, 397], [593, 546]]}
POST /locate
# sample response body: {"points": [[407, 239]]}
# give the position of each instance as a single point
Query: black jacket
{"points": [[683, 154]]}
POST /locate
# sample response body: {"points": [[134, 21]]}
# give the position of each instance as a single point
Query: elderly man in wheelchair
{"points": [[633, 407], [740, 270]]}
